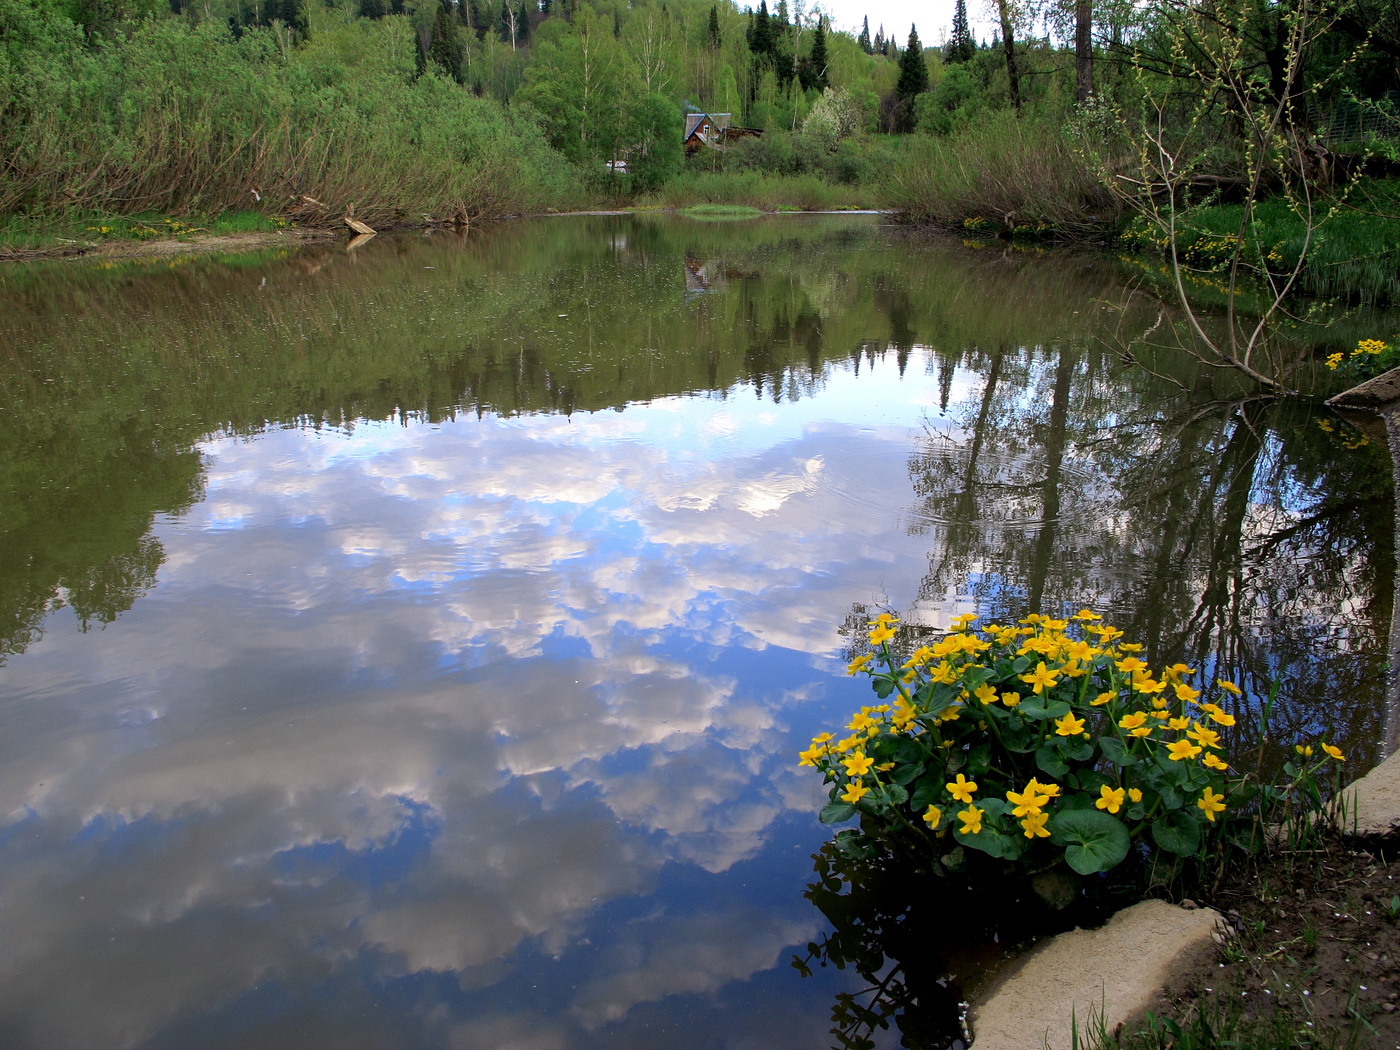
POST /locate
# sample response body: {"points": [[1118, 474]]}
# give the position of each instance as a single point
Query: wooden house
{"points": [[712, 129]]}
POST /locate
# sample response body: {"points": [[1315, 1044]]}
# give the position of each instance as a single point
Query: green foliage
{"points": [[181, 118], [1001, 173]]}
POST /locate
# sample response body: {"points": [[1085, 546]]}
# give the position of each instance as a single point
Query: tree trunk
{"points": [[1083, 50], [1009, 46]]}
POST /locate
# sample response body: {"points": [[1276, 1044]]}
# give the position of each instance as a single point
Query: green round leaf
{"points": [[836, 812], [1177, 832], [1093, 840]]}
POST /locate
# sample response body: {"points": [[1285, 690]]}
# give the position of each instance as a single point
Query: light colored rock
{"points": [[1373, 802], [1112, 972]]}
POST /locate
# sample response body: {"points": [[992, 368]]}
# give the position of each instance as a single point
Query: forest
{"points": [[407, 112]]}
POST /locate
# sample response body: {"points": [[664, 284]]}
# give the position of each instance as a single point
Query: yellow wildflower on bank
{"points": [[1044, 740]]}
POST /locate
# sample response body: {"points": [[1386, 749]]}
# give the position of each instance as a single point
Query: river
{"points": [[411, 647]]}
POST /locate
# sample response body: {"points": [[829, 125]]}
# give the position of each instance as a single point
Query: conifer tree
{"points": [[961, 46], [913, 81], [761, 42], [864, 39], [522, 19], [477, 17], [880, 40], [446, 49], [715, 40], [818, 59]]}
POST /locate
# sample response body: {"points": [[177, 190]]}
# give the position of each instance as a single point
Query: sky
{"points": [[933, 18]]}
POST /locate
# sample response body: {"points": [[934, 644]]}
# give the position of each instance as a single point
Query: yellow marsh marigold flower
{"points": [[1034, 825], [1134, 795], [1185, 693], [1010, 699], [1217, 715], [1131, 647], [1129, 664], [1176, 672], [1027, 801], [810, 756], [1304, 749], [1334, 752], [986, 693], [1214, 762], [859, 723], [1051, 790], [1229, 687], [1040, 678], [1179, 723], [1102, 699], [961, 623], [822, 738], [1203, 736], [1368, 346], [1182, 749], [1160, 704], [1069, 725], [1110, 799], [858, 765], [932, 816], [854, 792], [1334, 360], [1085, 614], [884, 767], [962, 789], [972, 821], [1133, 720], [881, 635], [1211, 803], [858, 663]]}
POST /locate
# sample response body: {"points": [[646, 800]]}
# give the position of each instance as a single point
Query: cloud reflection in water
{"points": [[423, 702]]}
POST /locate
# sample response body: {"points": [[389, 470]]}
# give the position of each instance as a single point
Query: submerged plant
{"points": [[1043, 742]]}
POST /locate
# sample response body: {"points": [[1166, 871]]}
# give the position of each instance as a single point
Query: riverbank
{"points": [[1313, 957]]}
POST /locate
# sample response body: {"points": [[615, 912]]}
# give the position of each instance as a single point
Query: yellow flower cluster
{"points": [[1069, 696], [1365, 348]]}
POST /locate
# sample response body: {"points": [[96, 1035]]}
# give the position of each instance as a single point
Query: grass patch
{"points": [[760, 190], [1001, 175], [1354, 256], [720, 212]]}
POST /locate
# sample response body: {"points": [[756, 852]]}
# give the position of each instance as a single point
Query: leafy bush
{"points": [[1042, 743]]}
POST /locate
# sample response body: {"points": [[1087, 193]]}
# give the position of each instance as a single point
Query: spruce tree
{"points": [[913, 81], [371, 9], [761, 43], [522, 18], [715, 40], [880, 41], [818, 59], [477, 17], [864, 39], [961, 46], [446, 50]]}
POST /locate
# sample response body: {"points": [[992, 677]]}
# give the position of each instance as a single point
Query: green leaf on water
{"points": [[836, 812]]}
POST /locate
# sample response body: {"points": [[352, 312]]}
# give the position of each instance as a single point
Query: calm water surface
{"points": [[411, 648]]}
